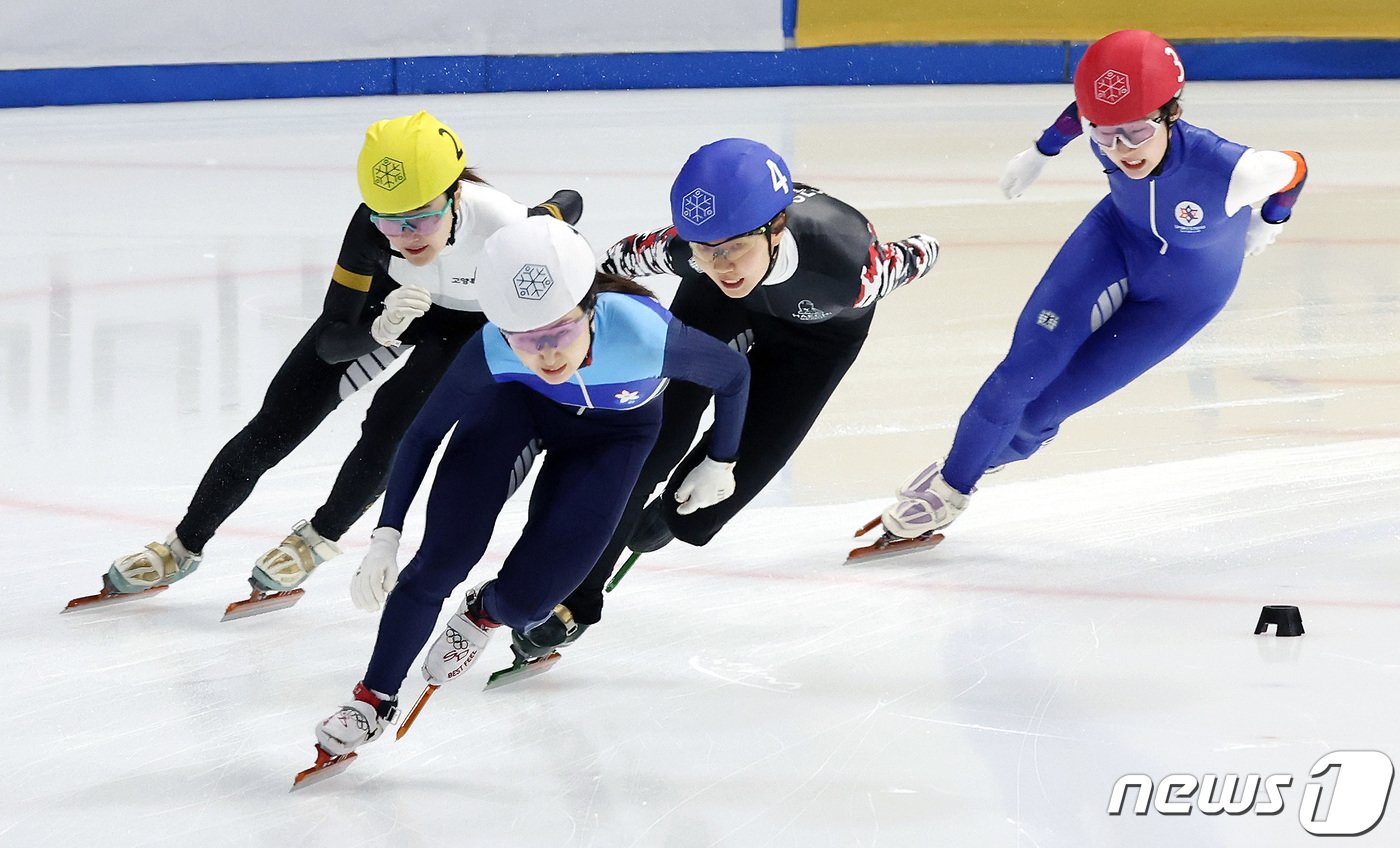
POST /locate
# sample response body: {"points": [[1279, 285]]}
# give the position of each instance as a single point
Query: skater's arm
{"points": [[467, 374], [344, 324], [642, 254], [892, 265], [1275, 177], [1025, 167], [1065, 129], [698, 358], [566, 205]]}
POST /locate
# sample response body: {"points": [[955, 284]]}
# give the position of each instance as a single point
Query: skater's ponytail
{"points": [[606, 282]]}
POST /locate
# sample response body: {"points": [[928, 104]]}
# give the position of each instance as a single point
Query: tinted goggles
{"points": [[559, 334], [423, 223], [1133, 134]]}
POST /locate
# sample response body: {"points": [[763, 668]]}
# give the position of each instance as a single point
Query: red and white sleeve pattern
{"points": [[641, 254], [894, 264]]}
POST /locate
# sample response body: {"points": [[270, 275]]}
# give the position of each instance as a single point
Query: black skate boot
{"points": [[535, 649], [652, 533]]}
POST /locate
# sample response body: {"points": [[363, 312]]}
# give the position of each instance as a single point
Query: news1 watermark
{"points": [[1359, 784]]}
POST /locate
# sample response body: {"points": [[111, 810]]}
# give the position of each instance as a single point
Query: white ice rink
{"points": [[1091, 616]]}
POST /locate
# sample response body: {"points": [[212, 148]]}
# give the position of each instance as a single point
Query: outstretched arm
{"points": [[896, 264], [641, 255], [1024, 167], [467, 374]]}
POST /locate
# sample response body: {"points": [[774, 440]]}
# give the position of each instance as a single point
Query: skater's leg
{"points": [[365, 471], [300, 396], [1085, 284], [471, 485], [795, 369], [588, 474]]}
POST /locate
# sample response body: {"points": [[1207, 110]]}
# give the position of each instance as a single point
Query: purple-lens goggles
{"points": [[561, 333]]}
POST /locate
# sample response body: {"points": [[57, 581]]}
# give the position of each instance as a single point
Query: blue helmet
{"points": [[727, 188]]}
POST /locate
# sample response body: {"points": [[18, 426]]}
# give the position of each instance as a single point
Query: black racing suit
{"points": [[802, 328], [335, 358]]}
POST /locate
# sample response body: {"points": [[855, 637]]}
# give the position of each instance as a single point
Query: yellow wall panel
{"points": [[829, 22]]}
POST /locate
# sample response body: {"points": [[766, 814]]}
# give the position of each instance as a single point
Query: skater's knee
{"points": [[693, 529], [517, 613], [424, 583]]}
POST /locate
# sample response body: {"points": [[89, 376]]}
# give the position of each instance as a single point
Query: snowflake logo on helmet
{"points": [[388, 174], [698, 206], [1111, 86], [532, 282]]}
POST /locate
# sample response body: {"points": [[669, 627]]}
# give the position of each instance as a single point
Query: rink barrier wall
{"points": [[887, 64], [824, 23]]}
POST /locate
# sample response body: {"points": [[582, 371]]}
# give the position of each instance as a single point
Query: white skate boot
{"points": [[468, 631], [289, 564], [362, 720], [156, 565], [926, 505]]}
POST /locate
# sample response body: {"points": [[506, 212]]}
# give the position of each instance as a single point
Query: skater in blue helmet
{"points": [[780, 270]]}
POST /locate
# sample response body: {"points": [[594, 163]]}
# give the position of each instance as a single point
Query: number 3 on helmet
{"points": [[1126, 76]]}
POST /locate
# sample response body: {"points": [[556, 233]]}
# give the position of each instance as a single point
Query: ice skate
{"points": [[142, 575], [652, 532], [535, 650], [280, 571], [926, 505], [622, 571], [359, 722], [888, 544], [467, 633]]}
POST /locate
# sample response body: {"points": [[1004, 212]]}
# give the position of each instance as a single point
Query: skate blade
{"points": [[413, 713], [109, 596], [888, 546], [260, 602], [622, 572], [521, 671], [326, 766]]}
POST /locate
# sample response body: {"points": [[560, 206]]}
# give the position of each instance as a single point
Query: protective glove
{"points": [[1021, 171], [378, 573], [1260, 234], [706, 485], [401, 306]]}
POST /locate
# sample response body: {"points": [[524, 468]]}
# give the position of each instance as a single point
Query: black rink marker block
{"points": [[1286, 620]]}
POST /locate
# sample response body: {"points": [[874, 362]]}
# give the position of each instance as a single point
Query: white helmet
{"points": [[532, 273]]}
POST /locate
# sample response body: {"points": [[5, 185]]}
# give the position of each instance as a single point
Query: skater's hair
{"points": [[1170, 112], [470, 176], [606, 282]]}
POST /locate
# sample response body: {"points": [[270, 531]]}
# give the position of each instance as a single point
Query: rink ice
{"points": [[1091, 615]]}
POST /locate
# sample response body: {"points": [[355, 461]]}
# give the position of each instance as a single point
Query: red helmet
{"points": [[1125, 76]]}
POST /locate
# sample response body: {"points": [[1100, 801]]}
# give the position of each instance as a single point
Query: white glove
{"points": [[377, 574], [1260, 234], [706, 485], [1021, 171], [401, 306]]}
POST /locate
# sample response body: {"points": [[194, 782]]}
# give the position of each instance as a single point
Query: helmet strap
{"points": [[588, 357], [452, 236], [773, 248]]}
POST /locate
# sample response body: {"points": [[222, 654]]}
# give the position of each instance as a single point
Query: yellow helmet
{"points": [[408, 161]]}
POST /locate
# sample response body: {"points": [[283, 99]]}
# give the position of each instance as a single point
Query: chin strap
{"points": [[773, 249]]}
